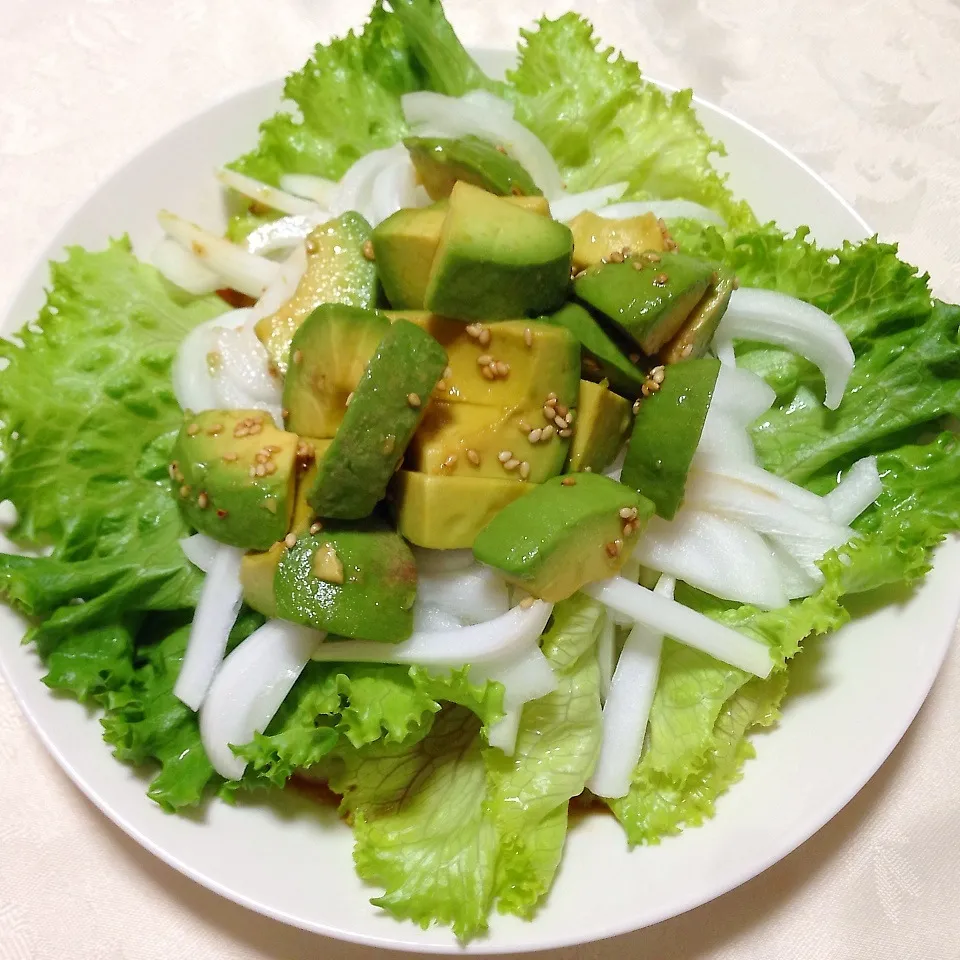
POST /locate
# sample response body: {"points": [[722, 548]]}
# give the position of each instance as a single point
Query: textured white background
{"points": [[867, 92]]}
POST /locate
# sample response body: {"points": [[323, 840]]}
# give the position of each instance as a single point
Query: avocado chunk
{"points": [[441, 162], [234, 474], [525, 360], [602, 358], [666, 433], [648, 300], [387, 407], [447, 513], [539, 205], [404, 246], [464, 439], [603, 423], [337, 271], [596, 238], [351, 579], [328, 354], [568, 532], [496, 260], [693, 338]]}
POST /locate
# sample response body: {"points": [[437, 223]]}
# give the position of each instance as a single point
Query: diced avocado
{"points": [[404, 246], [538, 205], [441, 162], [328, 354], [338, 271], [603, 423], [351, 579], [568, 532], [464, 439], [447, 513], [666, 433], [595, 238], [496, 260], [387, 407], [602, 358], [540, 359], [257, 569], [233, 471], [646, 299], [695, 335]]}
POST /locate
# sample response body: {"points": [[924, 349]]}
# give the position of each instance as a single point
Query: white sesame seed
{"points": [[484, 359], [504, 455], [567, 432], [561, 424], [473, 457], [626, 513], [547, 432], [484, 337], [503, 369], [290, 540], [524, 469], [534, 436], [528, 337], [511, 464], [413, 399], [315, 527]]}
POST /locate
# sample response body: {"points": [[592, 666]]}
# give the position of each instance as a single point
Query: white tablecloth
{"points": [[867, 93]]}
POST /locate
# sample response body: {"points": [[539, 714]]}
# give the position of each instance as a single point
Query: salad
{"points": [[494, 460]]}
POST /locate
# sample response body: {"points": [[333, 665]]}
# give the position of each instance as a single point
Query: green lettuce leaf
{"points": [[603, 123], [448, 827]]}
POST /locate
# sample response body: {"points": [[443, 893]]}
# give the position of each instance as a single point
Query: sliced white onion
{"points": [[194, 385], [437, 114], [725, 353], [356, 187], [200, 550], [283, 286], [239, 269], [492, 104], [474, 595], [714, 554], [567, 205], [683, 624], [431, 562], [724, 440], [249, 688], [245, 367], [662, 210], [525, 676], [627, 707], [606, 654], [773, 317], [264, 193], [183, 269], [797, 581], [284, 233], [216, 613], [768, 483], [855, 492], [318, 189], [616, 468], [394, 187], [428, 618], [482, 643], [743, 394]]}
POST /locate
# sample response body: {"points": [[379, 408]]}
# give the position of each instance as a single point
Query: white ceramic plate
{"points": [[854, 695]]}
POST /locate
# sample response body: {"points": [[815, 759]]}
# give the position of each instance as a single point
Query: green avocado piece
{"points": [[355, 580], [666, 433], [328, 356], [387, 407], [440, 163], [647, 300], [567, 532], [431, 510], [404, 246], [234, 473], [601, 357], [497, 261], [693, 338], [338, 271], [603, 423]]}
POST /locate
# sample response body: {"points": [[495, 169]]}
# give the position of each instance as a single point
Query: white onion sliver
{"points": [[493, 104], [200, 550], [239, 269], [433, 112], [356, 187], [216, 613], [249, 688], [776, 318], [481, 643], [429, 618], [318, 189], [606, 653], [283, 233], [768, 482], [683, 624], [183, 269], [662, 209], [616, 468], [627, 707], [855, 492], [724, 440], [474, 595], [567, 205], [264, 193], [283, 286], [441, 561], [245, 363], [714, 554], [742, 394], [393, 187], [193, 385], [725, 353], [797, 581]]}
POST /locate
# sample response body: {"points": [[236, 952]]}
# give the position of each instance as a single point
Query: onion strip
{"points": [[855, 492], [662, 210], [264, 193]]}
